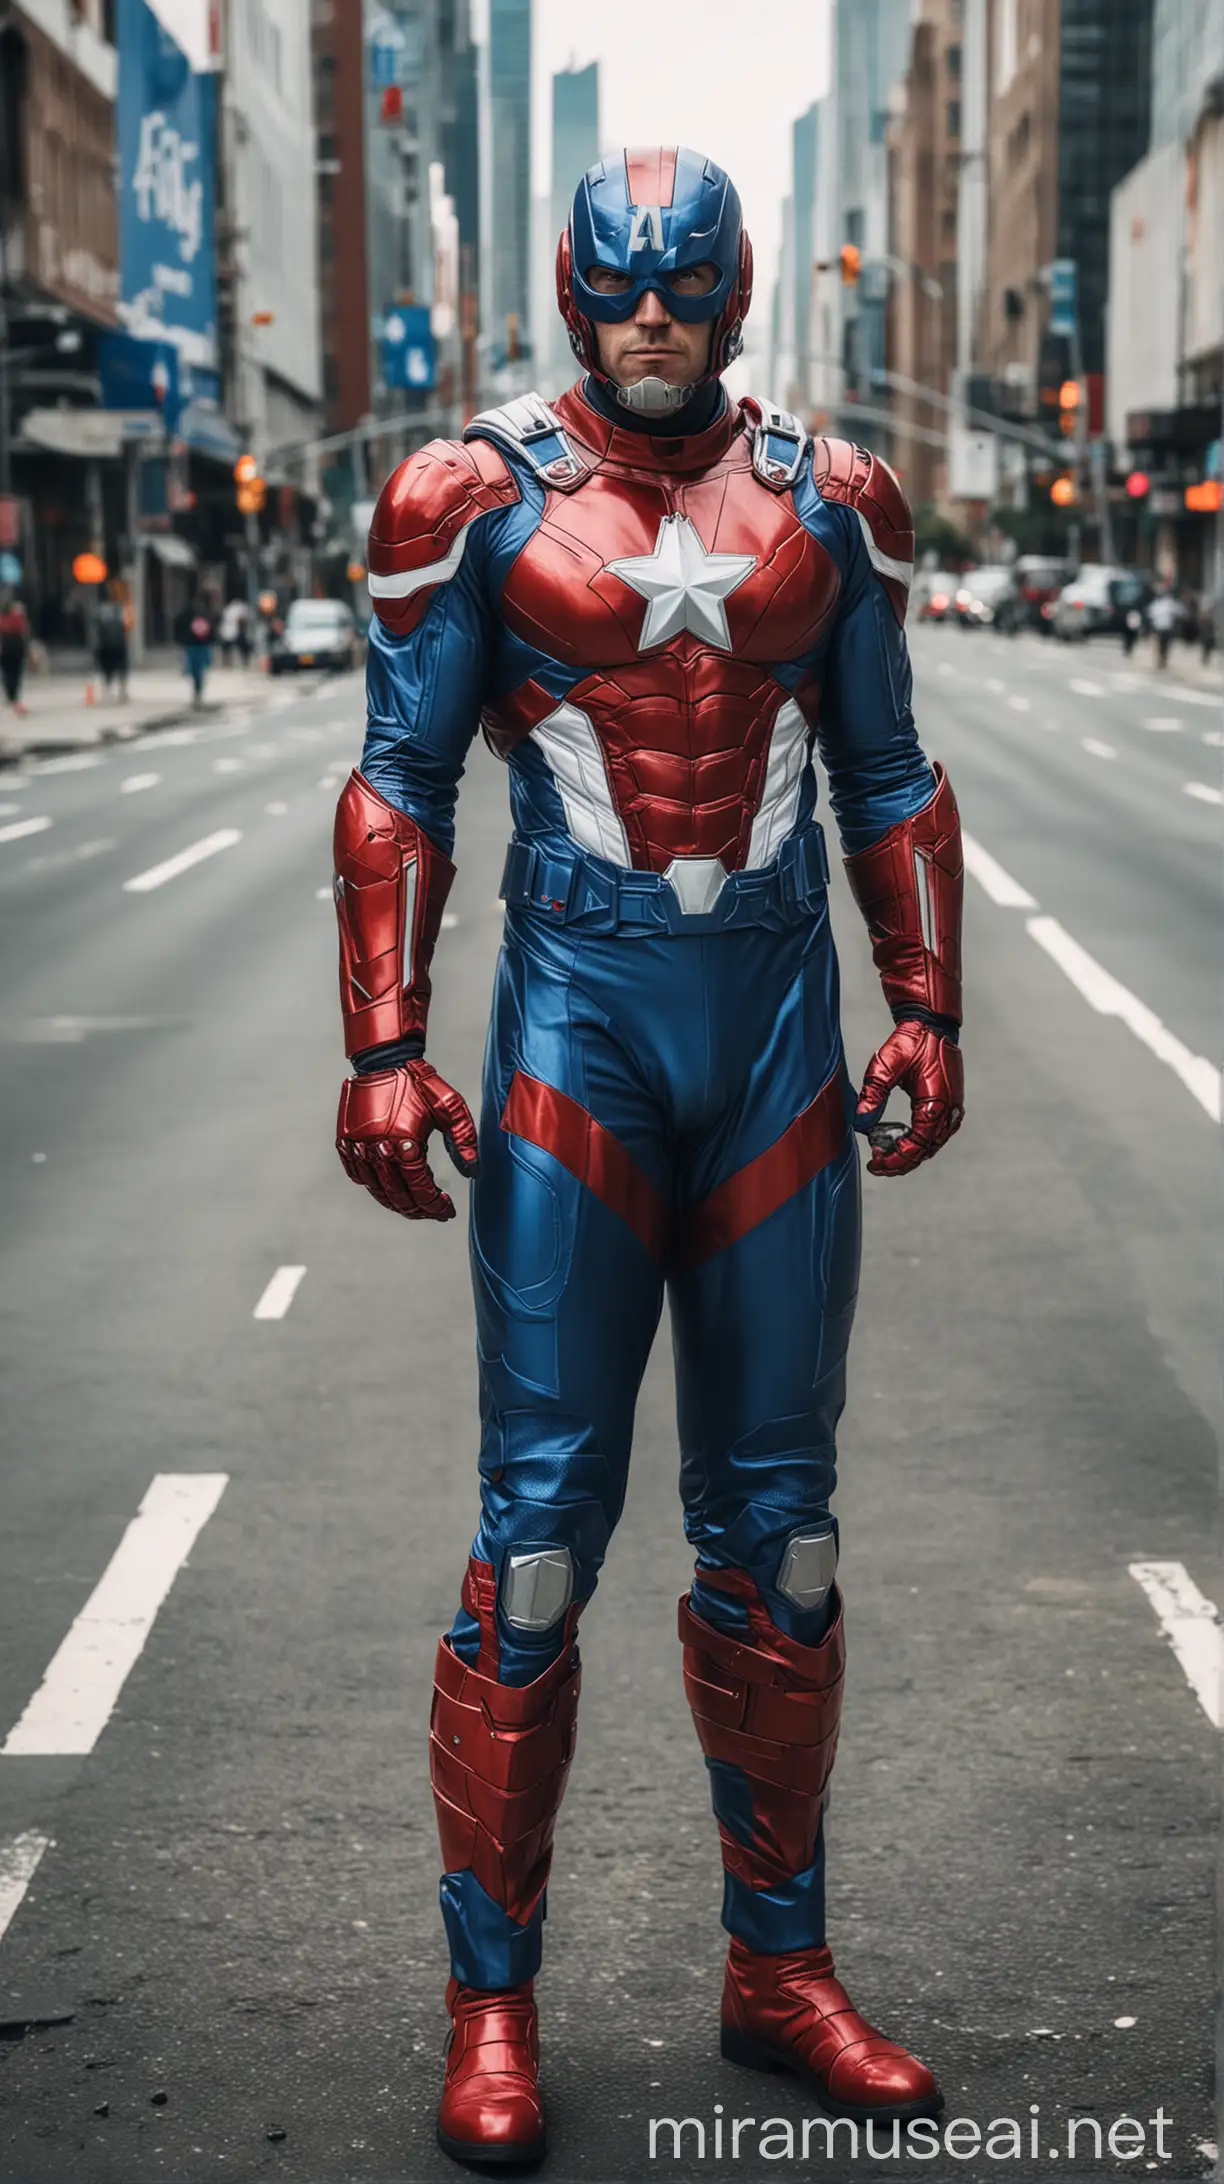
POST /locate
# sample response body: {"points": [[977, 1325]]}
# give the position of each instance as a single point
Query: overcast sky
{"points": [[720, 75]]}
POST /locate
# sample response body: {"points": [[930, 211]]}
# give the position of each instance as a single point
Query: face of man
{"points": [[652, 344]]}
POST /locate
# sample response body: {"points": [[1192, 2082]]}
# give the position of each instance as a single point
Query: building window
{"points": [[954, 117], [954, 61]]}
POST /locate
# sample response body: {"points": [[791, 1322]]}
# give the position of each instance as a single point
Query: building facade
{"points": [[506, 272], [575, 147], [870, 52], [925, 150]]}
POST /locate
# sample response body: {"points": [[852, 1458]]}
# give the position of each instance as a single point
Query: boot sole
{"points": [[756, 2055], [526, 2155]]}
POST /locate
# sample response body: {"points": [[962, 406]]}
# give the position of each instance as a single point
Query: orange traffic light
{"points": [[850, 258], [1069, 394], [89, 568], [1206, 498], [251, 497], [1063, 493], [245, 469]]}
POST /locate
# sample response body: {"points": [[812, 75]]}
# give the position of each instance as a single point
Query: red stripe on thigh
{"points": [[813, 1139], [564, 1128]]}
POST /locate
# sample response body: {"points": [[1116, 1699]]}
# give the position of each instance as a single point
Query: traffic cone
{"points": [[90, 698]]}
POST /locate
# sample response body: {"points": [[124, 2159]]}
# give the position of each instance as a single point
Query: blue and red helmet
{"points": [[650, 214]]}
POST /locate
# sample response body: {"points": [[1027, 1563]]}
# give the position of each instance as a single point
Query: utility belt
{"points": [[695, 895]]}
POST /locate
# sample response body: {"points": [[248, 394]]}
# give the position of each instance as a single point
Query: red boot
{"points": [[793, 2013], [490, 2110]]}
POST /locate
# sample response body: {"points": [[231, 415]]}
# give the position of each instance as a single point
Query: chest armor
{"points": [[672, 592]]}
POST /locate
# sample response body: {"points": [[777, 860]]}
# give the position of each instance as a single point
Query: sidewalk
{"points": [[1185, 661], [60, 716]]}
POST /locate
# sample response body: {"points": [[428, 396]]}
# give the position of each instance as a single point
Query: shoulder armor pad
{"points": [[531, 430], [779, 442], [421, 524], [865, 482]]}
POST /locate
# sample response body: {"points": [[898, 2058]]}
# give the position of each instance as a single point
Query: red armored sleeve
{"points": [[909, 887], [863, 481], [391, 889], [421, 524]]}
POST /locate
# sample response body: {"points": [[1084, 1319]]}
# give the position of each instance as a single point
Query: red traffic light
{"points": [[1137, 484]]}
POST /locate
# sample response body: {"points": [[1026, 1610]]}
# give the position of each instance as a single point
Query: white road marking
{"points": [[72, 762], [61, 857], [1096, 749], [1192, 1625], [325, 894], [19, 828], [1204, 792], [999, 885], [1121, 680], [450, 920], [945, 668], [280, 1293], [1020, 705], [81, 1688], [228, 765], [993, 683], [1108, 997], [157, 875], [137, 781], [7, 810], [1160, 725], [71, 1030], [1084, 689], [1185, 696], [1214, 738], [167, 739], [276, 811], [19, 1862]]}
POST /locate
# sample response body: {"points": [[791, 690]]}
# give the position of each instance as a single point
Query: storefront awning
{"points": [[205, 429]]}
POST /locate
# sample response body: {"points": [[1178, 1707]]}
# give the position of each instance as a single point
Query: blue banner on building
{"points": [[408, 347], [166, 127]]}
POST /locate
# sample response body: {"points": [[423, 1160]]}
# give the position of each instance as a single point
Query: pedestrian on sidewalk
{"points": [[235, 631], [195, 629], [14, 648], [111, 641], [1163, 615]]}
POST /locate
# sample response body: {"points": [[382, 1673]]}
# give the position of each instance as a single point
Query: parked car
{"points": [[988, 597], [1039, 579], [317, 633], [1097, 602], [934, 595]]}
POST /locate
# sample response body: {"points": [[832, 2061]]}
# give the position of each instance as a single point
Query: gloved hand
{"points": [[924, 1063], [382, 1129]]}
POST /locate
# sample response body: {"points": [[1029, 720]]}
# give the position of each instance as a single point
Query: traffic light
{"points": [[1063, 493], [850, 258], [252, 489], [1137, 484], [1068, 406]]}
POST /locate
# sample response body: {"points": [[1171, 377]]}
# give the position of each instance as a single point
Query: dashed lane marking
{"points": [[136, 782], [20, 1858], [1192, 1625], [7, 810], [1109, 997], [17, 829], [280, 1293], [999, 885], [1161, 724], [1085, 689], [276, 810], [325, 894], [81, 1688], [157, 875], [1020, 705], [993, 683], [1203, 792], [1214, 738], [1096, 749], [228, 765], [72, 762], [1185, 696], [60, 859]]}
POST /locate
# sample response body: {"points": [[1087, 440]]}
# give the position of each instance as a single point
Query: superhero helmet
{"points": [[650, 214]]}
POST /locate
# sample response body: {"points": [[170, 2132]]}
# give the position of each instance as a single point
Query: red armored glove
{"points": [[909, 887], [391, 888]]}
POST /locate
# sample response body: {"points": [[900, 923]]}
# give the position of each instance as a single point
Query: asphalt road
{"points": [[228, 1962]]}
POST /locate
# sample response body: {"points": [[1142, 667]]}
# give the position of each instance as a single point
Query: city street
{"points": [[220, 1949]]}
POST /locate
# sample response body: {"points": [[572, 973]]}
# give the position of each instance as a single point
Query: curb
{"points": [[13, 753]]}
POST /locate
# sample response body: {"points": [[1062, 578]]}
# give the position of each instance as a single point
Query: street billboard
{"points": [[166, 130]]}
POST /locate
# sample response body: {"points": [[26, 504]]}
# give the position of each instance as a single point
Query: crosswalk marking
{"points": [[20, 1858]]}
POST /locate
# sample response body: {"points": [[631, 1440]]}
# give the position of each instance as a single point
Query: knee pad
{"points": [[808, 1566], [537, 1586]]}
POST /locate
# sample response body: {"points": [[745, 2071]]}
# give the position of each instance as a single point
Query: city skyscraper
{"points": [[575, 147], [805, 160], [508, 92]]}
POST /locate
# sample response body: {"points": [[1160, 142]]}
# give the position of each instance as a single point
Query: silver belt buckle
{"points": [[697, 883]]}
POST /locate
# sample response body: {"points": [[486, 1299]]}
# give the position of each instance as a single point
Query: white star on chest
{"points": [[685, 586]]}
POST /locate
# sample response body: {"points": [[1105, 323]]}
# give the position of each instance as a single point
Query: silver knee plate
{"points": [[536, 1589], [808, 1567]]}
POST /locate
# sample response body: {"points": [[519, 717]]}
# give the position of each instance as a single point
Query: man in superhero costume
{"points": [[655, 602]]}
